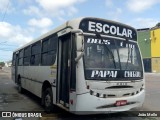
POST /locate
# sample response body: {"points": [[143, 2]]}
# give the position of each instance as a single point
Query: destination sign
{"points": [[108, 28], [103, 74]]}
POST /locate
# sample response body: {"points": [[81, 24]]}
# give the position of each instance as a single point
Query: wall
{"points": [[149, 42], [156, 65], [155, 49], [155, 42], [144, 43]]}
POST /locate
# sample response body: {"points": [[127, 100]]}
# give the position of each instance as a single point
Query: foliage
{"points": [[2, 64]]}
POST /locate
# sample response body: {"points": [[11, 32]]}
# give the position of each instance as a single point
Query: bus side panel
{"points": [[26, 78], [13, 73], [73, 98], [20, 73], [54, 94], [80, 83], [32, 83], [36, 75]]}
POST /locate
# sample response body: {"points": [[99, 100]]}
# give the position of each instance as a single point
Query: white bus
{"points": [[86, 64]]}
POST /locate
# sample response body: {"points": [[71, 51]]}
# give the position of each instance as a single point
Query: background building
{"points": [[8, 64], [149, 42], [155, 48], [144, 41]]}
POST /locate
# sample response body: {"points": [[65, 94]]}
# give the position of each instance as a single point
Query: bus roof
{"points": [[74, 24]]}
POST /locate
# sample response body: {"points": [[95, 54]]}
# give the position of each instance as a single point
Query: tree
{"points": [[2, 64], [158, 24]]}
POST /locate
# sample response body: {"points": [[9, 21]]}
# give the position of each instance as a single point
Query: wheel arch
{"points": [[18, 79], [46, 84]]}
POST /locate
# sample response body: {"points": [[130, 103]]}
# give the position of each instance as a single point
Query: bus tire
{"points": [[20, 89], [48, 100]]}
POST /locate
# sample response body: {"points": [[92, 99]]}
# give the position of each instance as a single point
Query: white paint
{"points": [[105, 28], [99, 41], [103, 74], [132, 74]]}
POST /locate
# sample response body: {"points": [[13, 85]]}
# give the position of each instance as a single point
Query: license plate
{"points": [[121, 102]]}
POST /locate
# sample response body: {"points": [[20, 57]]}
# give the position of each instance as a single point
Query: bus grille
{"points": [[100, 95]]}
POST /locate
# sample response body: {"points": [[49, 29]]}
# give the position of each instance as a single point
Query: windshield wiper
{"points": [[128, 55], [99, 36]]}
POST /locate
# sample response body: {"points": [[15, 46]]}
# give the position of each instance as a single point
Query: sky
{"points": [[21, 21]]}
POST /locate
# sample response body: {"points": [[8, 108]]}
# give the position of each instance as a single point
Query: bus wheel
{"points": [[20, 89], [48, 100]]}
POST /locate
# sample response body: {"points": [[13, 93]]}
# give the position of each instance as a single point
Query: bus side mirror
{"points": [[79, 57], [79, 39], [76, 31], [80, 43]]}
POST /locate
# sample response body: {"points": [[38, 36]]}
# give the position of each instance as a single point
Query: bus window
{"points": [[130, 57], [20, 58], [98, 56], [53, 44], [115, 55], [49, 49], [13, 59], [45, 46], [27, 53], [35, 57]]}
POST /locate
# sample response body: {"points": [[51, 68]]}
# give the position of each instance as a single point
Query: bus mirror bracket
{"points": [[79, 57], [82, 48], [79, 31], [76, 31]]}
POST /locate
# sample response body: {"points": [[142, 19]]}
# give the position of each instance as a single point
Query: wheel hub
{"points": [[47, 100]]}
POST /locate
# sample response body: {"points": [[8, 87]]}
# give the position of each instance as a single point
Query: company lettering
{"points": [[132, 74], [103, 74], [105, 28], [99, 41]]}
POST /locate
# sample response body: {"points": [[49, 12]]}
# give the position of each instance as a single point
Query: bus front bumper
{"points": [[89, 104]]}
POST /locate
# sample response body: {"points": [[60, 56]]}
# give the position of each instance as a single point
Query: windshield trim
{"points": [[108, 36]]}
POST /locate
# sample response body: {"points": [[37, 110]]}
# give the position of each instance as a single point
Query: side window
{"points": [[45, 45], [44, 58], [49, 49], [13, 59], [27, 51], [53, 44], [27, 54], [20, 58], [35, 54]]}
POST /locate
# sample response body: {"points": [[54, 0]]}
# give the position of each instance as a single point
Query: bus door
{"points": [[64, 69], [16, 68]]}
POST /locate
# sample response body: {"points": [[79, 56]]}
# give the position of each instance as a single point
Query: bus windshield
{"points": [[111, 58]]}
